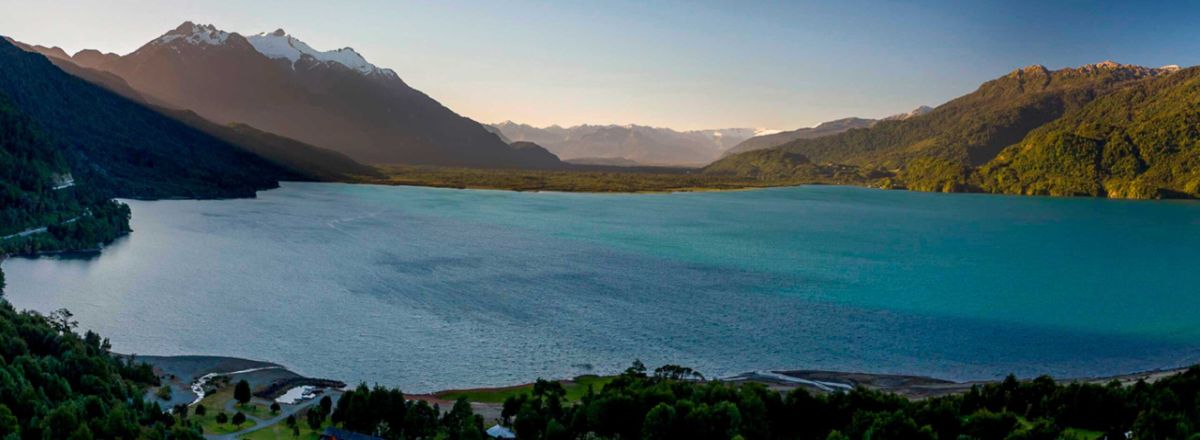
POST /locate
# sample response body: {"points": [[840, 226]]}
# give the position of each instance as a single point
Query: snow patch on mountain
{"points": [[280, 45], [196, 34], [274, 45]]}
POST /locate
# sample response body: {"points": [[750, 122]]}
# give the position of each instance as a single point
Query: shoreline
{"points": [[191, 367], [915, 386], [557, 190], [744, 185]]}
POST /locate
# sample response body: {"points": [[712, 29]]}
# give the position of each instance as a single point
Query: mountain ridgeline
{"points": [[1103, 129], [119, 146], [334, 100], [821, 130], [305, 161]]}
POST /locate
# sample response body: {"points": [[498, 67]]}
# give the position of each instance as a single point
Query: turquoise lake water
{"points": [[433, 288]]}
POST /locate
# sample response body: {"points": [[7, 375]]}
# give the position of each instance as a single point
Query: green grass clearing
{"points": [[208, 423], [281, 431], [214, 404]]}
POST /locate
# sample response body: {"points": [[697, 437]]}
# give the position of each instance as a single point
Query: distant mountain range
{"points": [[330, 99], [630, 144], [1104, 129]]}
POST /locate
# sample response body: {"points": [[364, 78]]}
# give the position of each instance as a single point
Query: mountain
{"points": [[301, 159], [1137, 142], [635, 144], [1103, 129], [295, 156], [973, 128], [823, 129], [912, 114], [330, 99], [120, 147], [68, 64], [93, 59]]}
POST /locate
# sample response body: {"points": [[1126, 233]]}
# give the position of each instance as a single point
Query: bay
{"points": [[429, 289]]}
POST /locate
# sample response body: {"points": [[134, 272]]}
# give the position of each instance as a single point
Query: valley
{"points": [[1002, 265]]}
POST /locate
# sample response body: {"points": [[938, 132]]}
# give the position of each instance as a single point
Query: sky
{"points": [[680, 64]]}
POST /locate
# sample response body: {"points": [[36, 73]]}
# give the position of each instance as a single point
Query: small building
{"points": [[332, 433], [500, 432]]}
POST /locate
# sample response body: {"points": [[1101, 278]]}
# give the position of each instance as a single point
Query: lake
{"points": [[429, 289]]}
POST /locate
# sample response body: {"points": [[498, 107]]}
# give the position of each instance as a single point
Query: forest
{"points": [[58, 384], [33, 195], [673, 402]]}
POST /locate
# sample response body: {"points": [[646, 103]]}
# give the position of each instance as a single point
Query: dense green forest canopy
{"points": [[1142, 141], [674, 402], [36, 192], [58, 384], [665, 405]]}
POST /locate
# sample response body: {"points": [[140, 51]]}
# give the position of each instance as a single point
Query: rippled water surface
{"points": [[432, 288]]}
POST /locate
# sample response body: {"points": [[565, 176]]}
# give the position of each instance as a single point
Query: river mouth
{"points": [[431, 289]]}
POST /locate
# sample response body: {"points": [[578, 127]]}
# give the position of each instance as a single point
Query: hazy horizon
{"points": [[685, 66]]}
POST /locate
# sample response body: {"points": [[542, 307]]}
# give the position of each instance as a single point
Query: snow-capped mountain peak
{"points": [[280, 45], [196, 34], [274, 45]]}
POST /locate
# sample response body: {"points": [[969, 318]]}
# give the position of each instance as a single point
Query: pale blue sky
{"points": [[685, 64]]}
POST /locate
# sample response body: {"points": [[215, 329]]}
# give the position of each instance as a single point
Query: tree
{"points": [[637, 369], [986, 425], [242, 392], [660, 423], [222, 418], [314, 418], [239, 419], [897, 426], [275, 407], [164, 392], [676, 372], [62, 320], [326, 404], [556, 431], [8, 421], [200, 410], [291, 420], [512, 404]]}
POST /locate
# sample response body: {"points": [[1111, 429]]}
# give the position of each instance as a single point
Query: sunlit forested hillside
{"points": [[1099, 130]]}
